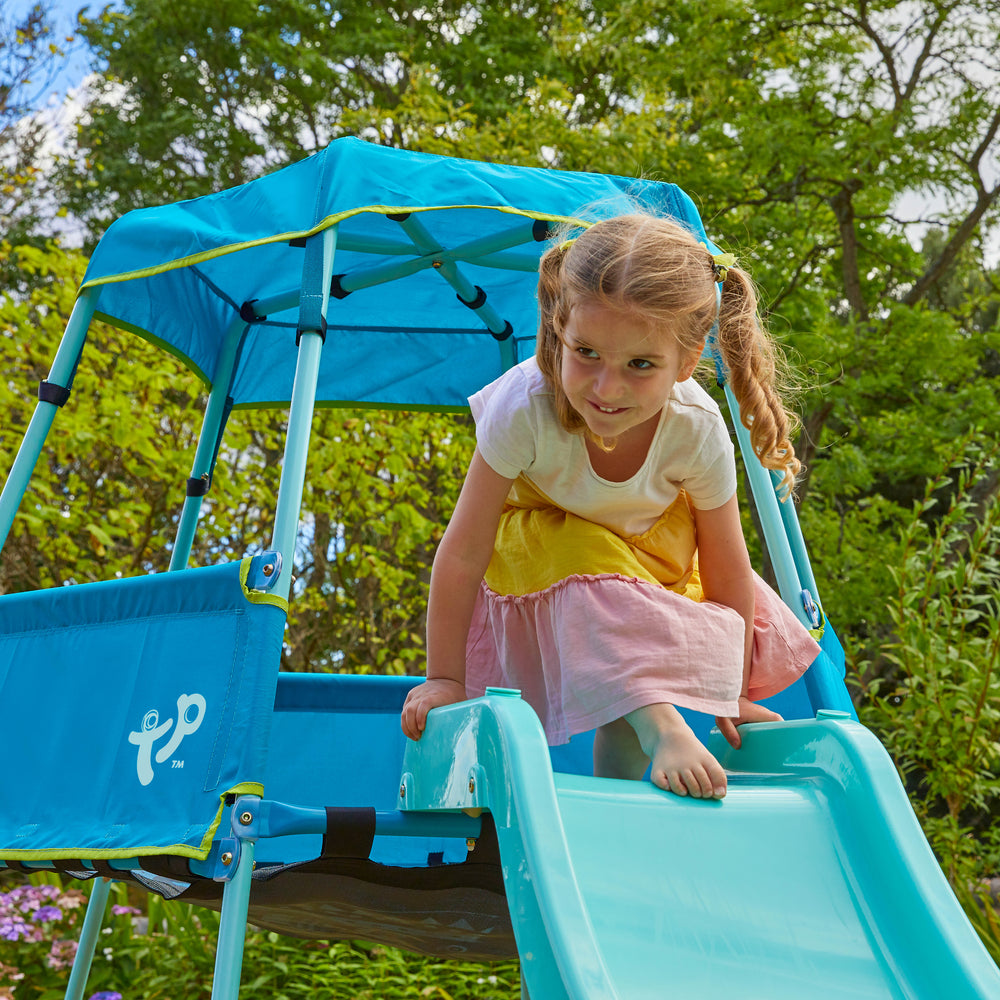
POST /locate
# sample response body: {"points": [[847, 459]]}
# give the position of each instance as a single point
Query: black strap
{"points": [[197, 487], [50, 392], [505, 333], [350, 832], [321, 331], [477, 302]]}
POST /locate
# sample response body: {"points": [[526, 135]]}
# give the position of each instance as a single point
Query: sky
{"points": [[74, 67]]}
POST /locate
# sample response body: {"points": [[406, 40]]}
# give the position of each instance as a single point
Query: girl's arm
{"points": [[459, 566], [727, 578]]}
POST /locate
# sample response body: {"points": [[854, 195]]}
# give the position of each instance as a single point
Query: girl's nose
{"points": [[607, 384]]}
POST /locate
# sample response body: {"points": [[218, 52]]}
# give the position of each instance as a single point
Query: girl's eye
{"points": [[641, 363], [586, 352]]}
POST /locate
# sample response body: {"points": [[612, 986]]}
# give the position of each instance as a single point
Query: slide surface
{"points": [[811, 879]]}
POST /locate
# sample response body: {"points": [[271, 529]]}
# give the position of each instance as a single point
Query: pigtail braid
{"points": [[752, 364], [553, 312]]}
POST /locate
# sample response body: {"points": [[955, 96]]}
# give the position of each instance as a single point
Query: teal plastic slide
{"points": [[811, 879]]}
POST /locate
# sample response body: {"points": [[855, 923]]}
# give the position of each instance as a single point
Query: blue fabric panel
{"points": [[178, 273], [158, 694], [830, 645]]}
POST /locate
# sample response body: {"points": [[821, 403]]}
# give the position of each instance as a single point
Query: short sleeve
{"points": [[711, 481], [505, 424]]}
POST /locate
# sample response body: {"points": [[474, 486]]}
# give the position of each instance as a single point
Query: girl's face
{"points": [[617, 370]]}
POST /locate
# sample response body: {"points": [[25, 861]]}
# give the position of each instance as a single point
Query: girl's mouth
{"points": [[607, 409]]}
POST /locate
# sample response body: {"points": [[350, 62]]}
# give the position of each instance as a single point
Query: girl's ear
{"points": [[687, 368]]}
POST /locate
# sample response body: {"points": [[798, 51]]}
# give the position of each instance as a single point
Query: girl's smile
{"points": [[617, 370]]}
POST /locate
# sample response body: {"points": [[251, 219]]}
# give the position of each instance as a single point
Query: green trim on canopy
{"points": [[331, 220]]}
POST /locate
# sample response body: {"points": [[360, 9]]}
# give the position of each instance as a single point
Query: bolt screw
{"points": [[472, 786], [227, 858], [402, 791], [267, 569], [246, 818]]}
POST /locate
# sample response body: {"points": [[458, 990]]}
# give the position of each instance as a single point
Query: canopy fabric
{"points": [[178, 275]]}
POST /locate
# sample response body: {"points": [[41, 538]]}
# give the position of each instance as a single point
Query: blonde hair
{"points": [[656, 269]]}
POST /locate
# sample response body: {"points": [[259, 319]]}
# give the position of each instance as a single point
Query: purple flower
{"points": [[120, 910], [106, 995], [13, 928], [46, 913]]}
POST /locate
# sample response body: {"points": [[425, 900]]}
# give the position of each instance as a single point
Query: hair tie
{"points": [[721, 263], [566, 244]]}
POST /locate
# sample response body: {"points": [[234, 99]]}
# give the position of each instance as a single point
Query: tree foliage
{"points": [[106, 497], [936, 707], [29, 55], [106, 490], [821, 145]]}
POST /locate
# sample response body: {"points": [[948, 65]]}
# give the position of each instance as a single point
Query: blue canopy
{"points": [[435, 227]]}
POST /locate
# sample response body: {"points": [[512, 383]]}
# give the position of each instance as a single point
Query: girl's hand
{"points": [[749, 712], [421, 699]]}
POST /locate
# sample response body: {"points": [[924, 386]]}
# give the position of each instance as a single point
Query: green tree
{"points": [[819, 138], [29, 56], [107, 493], [107, 488]]}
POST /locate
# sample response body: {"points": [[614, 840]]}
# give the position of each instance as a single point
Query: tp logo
{"points": [[190, 712]]}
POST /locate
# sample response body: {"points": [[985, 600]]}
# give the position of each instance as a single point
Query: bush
{"points": [[933, 694]]}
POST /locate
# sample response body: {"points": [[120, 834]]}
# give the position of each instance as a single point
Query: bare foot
{"points": [[680, 762]]}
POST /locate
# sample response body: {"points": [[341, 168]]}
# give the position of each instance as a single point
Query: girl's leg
{"points": [[617, 753], [680, 762]]}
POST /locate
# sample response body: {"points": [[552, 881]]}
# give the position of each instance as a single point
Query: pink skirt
{"points": [[591, 647]]}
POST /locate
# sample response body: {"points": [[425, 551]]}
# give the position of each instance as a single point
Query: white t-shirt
{"points": [[518, 433]]}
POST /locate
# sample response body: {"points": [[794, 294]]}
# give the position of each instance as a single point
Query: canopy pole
{"points": [[468, 294], [793, 530], [317, 273], [204, 460], [60, 377]]}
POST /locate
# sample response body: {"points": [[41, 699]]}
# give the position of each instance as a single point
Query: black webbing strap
{"points": [[350, 832], [505, 333], [168, 866], [197, 487], [75, 867], [50, 392], [478, 301]]}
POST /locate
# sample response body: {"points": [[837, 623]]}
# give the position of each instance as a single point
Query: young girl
{"points": [[596, 559]]}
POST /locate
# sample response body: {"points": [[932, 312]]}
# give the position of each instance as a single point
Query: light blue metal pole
{"points": [[214, 412], [41, 420], [89, 935], [317, 271], [233, 927], [771, 521], [800, 554]]}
